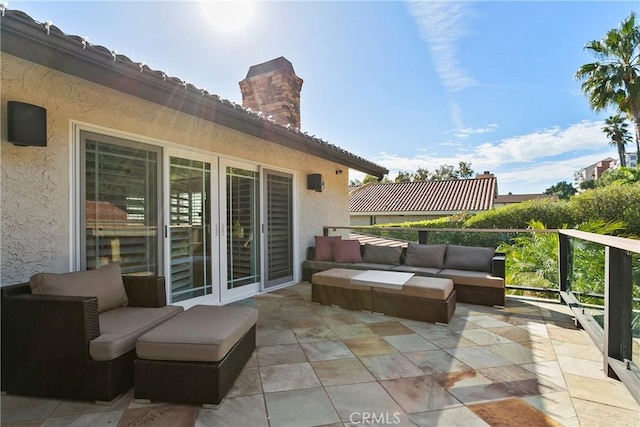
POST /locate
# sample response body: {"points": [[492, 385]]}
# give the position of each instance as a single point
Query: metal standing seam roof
{"points": [[46, 44], [472, 195]]}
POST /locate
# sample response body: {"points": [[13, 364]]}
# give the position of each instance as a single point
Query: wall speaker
{"points": [[26, 124], [314, 182]]}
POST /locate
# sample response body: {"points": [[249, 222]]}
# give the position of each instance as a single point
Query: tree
{"points": [[421, 175], [614, 80], [562, 189], [618, 176], [403, 176], [464, 170], [616, 130]]}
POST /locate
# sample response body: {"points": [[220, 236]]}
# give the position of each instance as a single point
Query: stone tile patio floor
{"points": [[524, 365]]}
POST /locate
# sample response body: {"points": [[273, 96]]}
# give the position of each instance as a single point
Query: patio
{"points": [[526, 364]]}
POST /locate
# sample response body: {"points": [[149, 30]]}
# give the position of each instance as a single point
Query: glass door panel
{"points": [[278, 205], [119, 204], [241, 202], [188, 237]]}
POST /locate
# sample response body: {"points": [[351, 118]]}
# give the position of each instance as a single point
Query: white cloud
{"points": [[442, 25], [465, 132], [456, 113]]}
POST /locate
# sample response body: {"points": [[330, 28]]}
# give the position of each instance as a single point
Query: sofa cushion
{"points": [[431, 256], [369, 266], [105, 284], [381, 254], [321, 265], [418, 271], [204, 333], [121, 327], [468, 258], [324, 247], [473, 278], [347, 251]]}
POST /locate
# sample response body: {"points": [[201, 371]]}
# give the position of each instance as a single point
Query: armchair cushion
{"points": [[105, 284], [121, 327]]}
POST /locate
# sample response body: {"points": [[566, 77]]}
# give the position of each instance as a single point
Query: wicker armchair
{"points": [[45, 343]]}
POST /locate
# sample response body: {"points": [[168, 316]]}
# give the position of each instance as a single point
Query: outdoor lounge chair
{"points": [[73, 346]]}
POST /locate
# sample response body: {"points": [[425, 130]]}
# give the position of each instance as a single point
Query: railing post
{"points": [[423, 237], [617, 307], [564, 248]]}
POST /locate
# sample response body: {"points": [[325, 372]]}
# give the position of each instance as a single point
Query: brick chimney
{"points": [[274, 89]]}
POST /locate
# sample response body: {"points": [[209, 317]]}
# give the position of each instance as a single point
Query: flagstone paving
{"points": [[522, 365]]}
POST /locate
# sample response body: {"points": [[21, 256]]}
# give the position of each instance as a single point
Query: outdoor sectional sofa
{"points": [[477, 273]]}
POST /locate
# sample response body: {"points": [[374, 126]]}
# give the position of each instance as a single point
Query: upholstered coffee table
{"points": [[195, 356]]}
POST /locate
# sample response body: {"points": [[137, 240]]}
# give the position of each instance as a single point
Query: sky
{"points": [[407, 85]]}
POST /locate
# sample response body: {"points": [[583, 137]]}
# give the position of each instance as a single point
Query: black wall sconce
{"points": [[26, 124], [338, 171], [315, 182]]}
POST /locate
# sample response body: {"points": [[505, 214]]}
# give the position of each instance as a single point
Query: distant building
{"points": [[376, 203], [593, 171]]}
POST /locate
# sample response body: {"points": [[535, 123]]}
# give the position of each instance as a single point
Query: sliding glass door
{"points": [[119, 204], [278, 215], [189, 243], [240, 223]]}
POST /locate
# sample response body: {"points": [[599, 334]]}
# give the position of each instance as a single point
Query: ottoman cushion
{"points": [[340, 277], [422, 287], [203, 333]]}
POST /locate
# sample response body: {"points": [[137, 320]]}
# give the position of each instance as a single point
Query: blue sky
{"points": [[407, 85]]}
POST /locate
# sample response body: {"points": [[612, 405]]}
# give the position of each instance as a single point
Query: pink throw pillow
{"points": [[347, 251], [324, 247]]}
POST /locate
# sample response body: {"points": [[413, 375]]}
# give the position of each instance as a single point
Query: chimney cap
{"points": [[280, 63]]}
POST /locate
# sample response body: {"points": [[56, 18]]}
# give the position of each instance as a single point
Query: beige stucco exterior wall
{"points": [[35, 182]]}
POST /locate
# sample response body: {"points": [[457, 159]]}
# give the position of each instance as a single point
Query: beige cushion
{"points": [[381, 255], [431, 256], [468, 258], [340, 277], [422, 287], [473, 278], [204, 333], [105, 284], [121, 327]]}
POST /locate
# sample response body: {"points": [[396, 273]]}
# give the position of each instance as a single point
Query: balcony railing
{"points": [[597, 276]]}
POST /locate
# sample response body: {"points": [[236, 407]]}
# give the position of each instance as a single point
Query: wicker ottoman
{"points": [[196, 356]]}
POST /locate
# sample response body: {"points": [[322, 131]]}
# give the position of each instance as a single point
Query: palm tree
{"points": [[616, 130], [614, 79]]}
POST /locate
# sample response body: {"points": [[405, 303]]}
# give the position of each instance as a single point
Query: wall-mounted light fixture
{"points": [[26, 124], [314, 182], [338, 171]]}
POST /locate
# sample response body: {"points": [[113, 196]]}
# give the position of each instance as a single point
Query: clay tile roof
{"points": [[470, 195]]}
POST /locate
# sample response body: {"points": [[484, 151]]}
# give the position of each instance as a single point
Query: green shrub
{"points": [[611, 203], [552, 213]]}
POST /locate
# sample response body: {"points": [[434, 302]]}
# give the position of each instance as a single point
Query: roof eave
{"points": [[24, 38]]}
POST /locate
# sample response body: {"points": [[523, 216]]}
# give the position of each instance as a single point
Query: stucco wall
{"points": [[35, 187]]}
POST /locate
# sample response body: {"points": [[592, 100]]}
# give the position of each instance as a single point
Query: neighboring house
{"points": [[510, 199], [631, 160], [414, 201], [593, 171], [163, 177]]}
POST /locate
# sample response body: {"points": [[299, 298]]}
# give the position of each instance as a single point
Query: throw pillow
{"points": [[105, 284], [381, 254], [469, 258], [324, 247], [431, 256], [347, 251]]}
